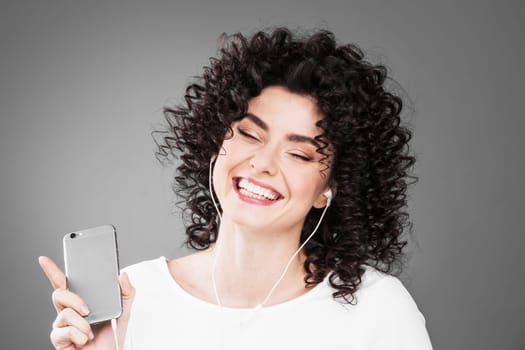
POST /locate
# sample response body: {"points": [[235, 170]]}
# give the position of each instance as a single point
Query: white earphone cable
{"points": [[115, 334], [216, 252], [293, 257]]}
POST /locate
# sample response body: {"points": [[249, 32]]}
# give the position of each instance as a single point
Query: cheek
{"points": [[224, 164], [306, 184], [307, 191], [230, 148], [220, 173]]}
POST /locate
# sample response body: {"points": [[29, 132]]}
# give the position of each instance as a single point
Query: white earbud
{"points": [[328, 194]]}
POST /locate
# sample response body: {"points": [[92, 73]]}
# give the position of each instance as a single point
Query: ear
{"points": [[323, 199]]}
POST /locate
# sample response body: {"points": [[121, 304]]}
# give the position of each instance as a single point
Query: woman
{"points": [[300, 143]]}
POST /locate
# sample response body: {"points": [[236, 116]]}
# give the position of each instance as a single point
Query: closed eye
{"points": [[247, 134], [301, 157]]}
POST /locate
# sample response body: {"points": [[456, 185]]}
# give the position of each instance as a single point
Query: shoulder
{"points": [[386, 307], [148, 272], [192, 274], [145, 266], [161, 275], [383, 291], [190, 268]]}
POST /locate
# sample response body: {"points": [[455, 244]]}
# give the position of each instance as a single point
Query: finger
{"points": [[63, 298], [68, 317], [53, 272], [63, 338], [128, 292]]}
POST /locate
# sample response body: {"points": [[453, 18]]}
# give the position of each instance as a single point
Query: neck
{"points": [[248, 263]]}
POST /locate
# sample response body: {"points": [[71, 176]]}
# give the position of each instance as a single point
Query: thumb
{"points": [[128, 294]]}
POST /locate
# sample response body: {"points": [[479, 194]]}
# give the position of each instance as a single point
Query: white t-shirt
{"points": [[165, 316]]}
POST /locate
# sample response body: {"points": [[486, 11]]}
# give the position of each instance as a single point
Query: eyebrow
{"points": [[257, 121], [291, 137]]}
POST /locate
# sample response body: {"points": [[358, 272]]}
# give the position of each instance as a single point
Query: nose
{"points": [[264, 161]]}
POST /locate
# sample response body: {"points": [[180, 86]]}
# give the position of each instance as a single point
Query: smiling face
{"points": [[268, 175]]}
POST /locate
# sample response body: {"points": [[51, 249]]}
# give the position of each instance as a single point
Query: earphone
{"points": [[328, 194]]}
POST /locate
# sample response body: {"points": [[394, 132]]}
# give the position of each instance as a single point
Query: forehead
{"points": [[279, 108]]}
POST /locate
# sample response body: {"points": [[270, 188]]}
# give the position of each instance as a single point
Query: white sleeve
{"points": [[399, 323]]}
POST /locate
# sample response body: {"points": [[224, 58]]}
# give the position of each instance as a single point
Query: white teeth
{"points": [[249, 189]]}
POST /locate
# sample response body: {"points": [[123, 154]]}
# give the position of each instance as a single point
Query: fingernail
{"points": [[84, 309], [91, 335]]}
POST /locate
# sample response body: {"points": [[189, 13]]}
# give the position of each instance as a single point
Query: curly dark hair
{"points": [[371, 163]]}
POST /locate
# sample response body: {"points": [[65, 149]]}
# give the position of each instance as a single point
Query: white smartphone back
{"points": [[92, 270]]}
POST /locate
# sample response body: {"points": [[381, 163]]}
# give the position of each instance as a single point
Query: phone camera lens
{"points": [[73, 235]]}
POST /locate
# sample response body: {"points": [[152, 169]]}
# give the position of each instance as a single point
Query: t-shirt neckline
{"points": [[315, 291]]}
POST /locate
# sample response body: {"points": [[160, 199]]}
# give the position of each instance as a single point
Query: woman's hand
{"points": [[70, 329]]}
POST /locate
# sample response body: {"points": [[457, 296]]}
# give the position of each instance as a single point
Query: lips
{"points": [[254, 191]]}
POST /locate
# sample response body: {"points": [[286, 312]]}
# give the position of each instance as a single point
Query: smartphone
{"points": [[92, 270]]}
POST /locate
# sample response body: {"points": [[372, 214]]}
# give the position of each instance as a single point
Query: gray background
{"points": [[82, 84]]}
